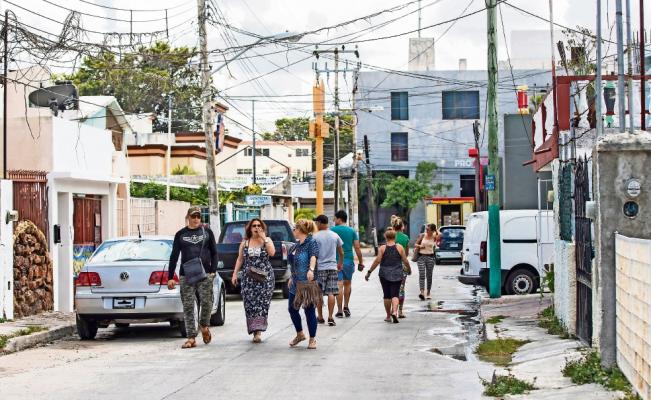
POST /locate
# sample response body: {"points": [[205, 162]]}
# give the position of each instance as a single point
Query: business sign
{"points": [[258, 200], [490, 182], [266, 182]]}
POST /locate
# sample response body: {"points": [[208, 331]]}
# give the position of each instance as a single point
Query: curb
{"points": [[39, 338]]}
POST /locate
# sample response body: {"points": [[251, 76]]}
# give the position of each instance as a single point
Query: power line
{"points": [[134, 10]]}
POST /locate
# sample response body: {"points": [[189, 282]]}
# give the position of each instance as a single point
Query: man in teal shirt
{"points": [[351, 240]]}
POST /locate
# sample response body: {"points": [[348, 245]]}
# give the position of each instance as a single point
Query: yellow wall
{"points": [[432, 215]]}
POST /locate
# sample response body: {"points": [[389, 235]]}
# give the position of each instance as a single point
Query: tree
{"points": [[138, 82], [305, 213], [426, 172]]}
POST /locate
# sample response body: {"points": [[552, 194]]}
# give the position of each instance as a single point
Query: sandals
{"points": [[421, 296], [257, 338], [190, 343], [394, 317], [320, 320], [339, 314], [401, 315], [331, 322], [346, 312], [206, 335], [312, 344], [387, 319], [298, 339]]}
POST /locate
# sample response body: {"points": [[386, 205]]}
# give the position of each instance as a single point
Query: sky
{"points": [[285, 88]]}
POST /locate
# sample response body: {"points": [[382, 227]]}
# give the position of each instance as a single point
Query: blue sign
{"points": [[490, 182], [258, 200]]}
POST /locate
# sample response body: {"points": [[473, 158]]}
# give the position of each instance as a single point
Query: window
{"points": [[461, 105], [302, 152], [248, 152], [244, 171], [399, 146], [399, 106]]}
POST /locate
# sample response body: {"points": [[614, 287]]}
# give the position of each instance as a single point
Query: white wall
{"points": [[82, 149], [6, 252]]}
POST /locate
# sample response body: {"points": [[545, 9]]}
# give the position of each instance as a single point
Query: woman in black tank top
{"points": [[391, 257]]}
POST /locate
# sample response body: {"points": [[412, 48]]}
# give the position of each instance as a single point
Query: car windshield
{"points": [[133, 250], [277, 231], [452, 234]]}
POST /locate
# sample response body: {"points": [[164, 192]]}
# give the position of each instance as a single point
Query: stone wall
{"points": [[633, 277]]}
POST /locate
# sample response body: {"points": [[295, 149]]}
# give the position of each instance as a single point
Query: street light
{"points": [[280, 37]]}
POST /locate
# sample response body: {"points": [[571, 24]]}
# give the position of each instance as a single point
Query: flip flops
{"points": [[206, 335], [190, 343], [298, 339], [346, 312]]}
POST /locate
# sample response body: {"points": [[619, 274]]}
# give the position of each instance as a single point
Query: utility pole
{"points": [[336, 51], [598, 88], [369, 193], [319, 129], [253, 134], [168, 153], [620, 67], [642, 34], [5, 38], [206, 97], [629, 54], [420, 10], [495, 275], [354, 197], [475, 129]]}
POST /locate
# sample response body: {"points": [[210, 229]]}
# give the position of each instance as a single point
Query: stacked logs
{"points": [[33, 292]]}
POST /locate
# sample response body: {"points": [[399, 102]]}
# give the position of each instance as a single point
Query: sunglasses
{"points": [[195, 216], [256, 226]]}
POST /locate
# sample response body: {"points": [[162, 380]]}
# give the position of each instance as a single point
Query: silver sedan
{"points": [[125, 281]]}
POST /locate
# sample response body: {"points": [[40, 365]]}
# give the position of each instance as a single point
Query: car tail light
{"points": [[160, 278], [285, 251], [88, 279], [482, 252]]}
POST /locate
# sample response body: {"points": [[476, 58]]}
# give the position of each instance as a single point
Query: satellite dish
{"points": [[58, 97]]}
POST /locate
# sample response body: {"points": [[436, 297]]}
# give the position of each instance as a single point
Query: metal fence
{"points": [[30, 197]]}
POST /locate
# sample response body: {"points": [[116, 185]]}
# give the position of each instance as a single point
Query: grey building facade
{"points": [[428, 116]]}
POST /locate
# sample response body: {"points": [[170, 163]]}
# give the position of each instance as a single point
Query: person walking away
{"points": [[426, 245], [392, 260], [403, 240], [303, 290], [257, 276], [327, 269], [195, 242], [350, 240]]}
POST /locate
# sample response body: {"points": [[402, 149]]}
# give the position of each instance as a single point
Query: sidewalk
{"points": [[35, 331], [541, 360]]}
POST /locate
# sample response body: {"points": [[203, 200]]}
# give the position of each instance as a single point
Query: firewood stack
{"points": [[33, 292]]}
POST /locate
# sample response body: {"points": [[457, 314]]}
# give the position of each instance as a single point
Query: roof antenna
{"points": [[139, 235]]}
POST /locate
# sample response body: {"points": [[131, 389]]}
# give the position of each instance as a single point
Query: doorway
{"points": [[450, 214], [87, 223]]}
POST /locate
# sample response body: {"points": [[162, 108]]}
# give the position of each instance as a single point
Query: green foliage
{"points": [[152, 190], [548, 280], [588, 369], [548, 320], [499, 351], [426, 172], [23, 332], [404, 194], [305, 213], [183, 170], [495, 320], [501, 385], [138, 82]]}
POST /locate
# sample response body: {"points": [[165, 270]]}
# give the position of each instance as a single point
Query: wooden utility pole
{"points": [[493, 179], [319, 129], [206, 98], [475, 131], [369, 193]]}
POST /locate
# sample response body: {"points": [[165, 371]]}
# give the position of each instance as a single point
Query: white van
{"points": [[527, 247]]}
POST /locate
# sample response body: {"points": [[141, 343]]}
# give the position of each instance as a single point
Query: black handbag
{"points": [[193, 269], [256, 274]]}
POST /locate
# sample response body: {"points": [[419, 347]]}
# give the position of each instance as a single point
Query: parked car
{"points": [[450, 244], [232, 234], [125, 281], [526, 248]]}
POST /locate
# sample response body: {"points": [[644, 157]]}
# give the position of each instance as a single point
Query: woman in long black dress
{"points": [[257, 277]]}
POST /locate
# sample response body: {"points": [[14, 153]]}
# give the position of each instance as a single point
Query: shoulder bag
{"points": [[416, 254], [257, 274], [193, 269]]}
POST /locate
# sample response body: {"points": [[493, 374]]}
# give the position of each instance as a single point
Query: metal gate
{"points": [[30, 197], [584, 251]]}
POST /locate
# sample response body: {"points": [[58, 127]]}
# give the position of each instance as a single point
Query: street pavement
{"points": [[428, 355]]}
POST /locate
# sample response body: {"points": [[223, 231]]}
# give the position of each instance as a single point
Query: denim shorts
{"points": [[347, 273]]}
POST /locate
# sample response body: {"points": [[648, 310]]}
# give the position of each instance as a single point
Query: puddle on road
{"points": [[467, 331]]}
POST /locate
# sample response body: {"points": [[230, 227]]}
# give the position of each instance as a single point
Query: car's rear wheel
{"points": [[86, 328], [121, 324], [521, 281], [218, 318], [285, 289]]}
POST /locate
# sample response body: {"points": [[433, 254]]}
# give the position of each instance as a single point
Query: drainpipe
{"points": [[620, 67]]}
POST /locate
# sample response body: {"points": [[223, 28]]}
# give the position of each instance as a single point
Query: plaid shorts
{"points": [[328, 282]]}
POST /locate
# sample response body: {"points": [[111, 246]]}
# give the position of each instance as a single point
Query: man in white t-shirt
{"points": [[328, 268]]}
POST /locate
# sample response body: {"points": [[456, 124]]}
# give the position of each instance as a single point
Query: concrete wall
{"points": [[616, 159], [6, 252], [519, 181], [82, 149], [170, 216], [633, 262]]}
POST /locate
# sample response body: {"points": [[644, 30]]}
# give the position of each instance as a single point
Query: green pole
{"points": [[495, 275]]}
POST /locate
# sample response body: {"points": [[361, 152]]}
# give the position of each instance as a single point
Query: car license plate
{"points": [[124, 302], [454, 245]]}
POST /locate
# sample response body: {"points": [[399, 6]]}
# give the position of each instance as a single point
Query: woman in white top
{"points": [[426, 245]]}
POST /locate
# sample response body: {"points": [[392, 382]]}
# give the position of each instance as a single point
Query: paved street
{"points": [[362, 357]]}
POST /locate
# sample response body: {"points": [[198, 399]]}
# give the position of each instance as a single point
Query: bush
{"points": [[588, 369], [305, 213], [501, 385]]}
